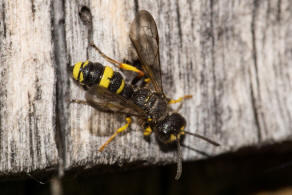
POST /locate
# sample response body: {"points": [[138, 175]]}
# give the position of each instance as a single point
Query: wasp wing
{"points": [[106, 101], [144, 36]]}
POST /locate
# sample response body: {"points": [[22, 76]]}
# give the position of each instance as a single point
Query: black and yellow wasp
{"points": [[106, 89]]}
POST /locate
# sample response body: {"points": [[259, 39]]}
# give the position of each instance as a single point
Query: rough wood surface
{"points": [[233, 57], [27, 111]]}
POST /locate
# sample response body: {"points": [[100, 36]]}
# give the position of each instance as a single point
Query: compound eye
{"points": [[164, 135]]}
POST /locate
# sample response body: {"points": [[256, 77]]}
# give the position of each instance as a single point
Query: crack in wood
{"points": [[180, 34], [60, 53], [136, 6], [216, 104], [30, 124], [254, 100], [86, 17], [279, 10], [33, 9], [3, 19]]}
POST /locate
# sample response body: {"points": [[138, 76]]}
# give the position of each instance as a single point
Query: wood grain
{"points": [[27, 110], [233, 57]]}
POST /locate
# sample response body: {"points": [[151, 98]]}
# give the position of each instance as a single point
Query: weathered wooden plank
{"points": [[273, 70], [208, 49], [232, 56], [233, 62], [27, 111]]}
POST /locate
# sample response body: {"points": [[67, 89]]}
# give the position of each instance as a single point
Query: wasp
{"points": [[107, 90]]}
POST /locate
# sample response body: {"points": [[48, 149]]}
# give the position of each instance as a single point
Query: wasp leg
{"points": [[84, 102], [143, 83], [147, 131], [121, 129], [178, 108], [147, 80], [180, 99], [118, 64], [131, 68]]}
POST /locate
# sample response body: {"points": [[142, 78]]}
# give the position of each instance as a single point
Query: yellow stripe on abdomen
{"points": [[107, 75], [76, 70], [121, 87]]}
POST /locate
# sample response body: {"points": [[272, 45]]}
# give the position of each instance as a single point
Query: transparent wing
{"points": [[144, 36], [103, 100]]}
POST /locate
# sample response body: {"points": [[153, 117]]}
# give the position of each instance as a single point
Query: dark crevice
{"points": [[30, 123], [180, 76], [169, 39], [38, 90], [86, 17], [12, 154], [269, 11], [254, 53], [279, 10], [1, 127], [2, 78], [191, 66], [37, 96], [33, 9], [3, 19], [33, 124], [192, 17], [37, 134], [255, 113], [179, 24], [61, 89], [136, 6], [256, 170], [215, 98]]}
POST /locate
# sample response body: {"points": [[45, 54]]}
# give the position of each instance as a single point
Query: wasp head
{"points": [[171, 128]]}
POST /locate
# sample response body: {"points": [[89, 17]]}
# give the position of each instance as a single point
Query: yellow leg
{"points": [[123, 128], [147, 80], [147, 131], [118, 64], [131, 68], [180, 99]]}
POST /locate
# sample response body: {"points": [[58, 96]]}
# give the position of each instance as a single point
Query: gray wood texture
{"points": [[28, 92], [234, 57]]}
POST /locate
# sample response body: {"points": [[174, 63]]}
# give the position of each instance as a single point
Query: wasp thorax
{"points": [[170, 128], [152, 103]]}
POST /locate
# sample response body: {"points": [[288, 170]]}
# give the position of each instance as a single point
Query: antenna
{"points": [[35, 179], [202, 137], [179, 159]]}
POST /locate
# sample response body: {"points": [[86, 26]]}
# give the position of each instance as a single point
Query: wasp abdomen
{"points": [[117, 83], [89, 74], [127, 92]]}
